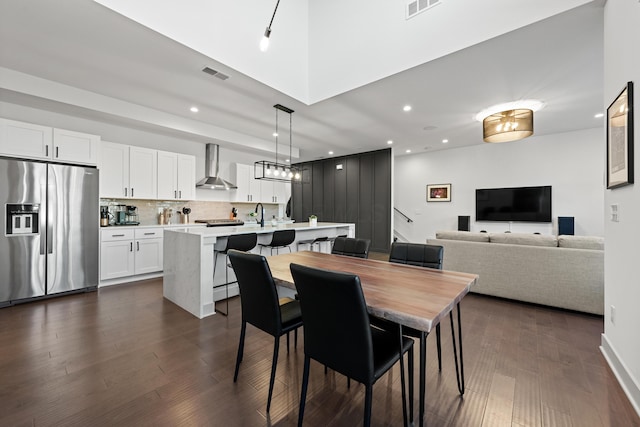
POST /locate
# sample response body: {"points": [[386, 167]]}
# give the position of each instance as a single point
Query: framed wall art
{"points": [[439, 193], [620, 139]]}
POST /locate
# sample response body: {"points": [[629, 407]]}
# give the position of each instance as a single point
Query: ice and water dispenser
{"points": [[22, 219]]}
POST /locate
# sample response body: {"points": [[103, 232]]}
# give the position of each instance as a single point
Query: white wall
{"points": [[621, 340], [572, 163]]}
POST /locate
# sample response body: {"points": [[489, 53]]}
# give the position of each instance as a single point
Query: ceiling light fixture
{"points": [[274, 171], [408, 151], [331, 153], [406, 108], [444, 141], [510, 125], [389, 142], [194, 109], [264, 43], [598, 115]]}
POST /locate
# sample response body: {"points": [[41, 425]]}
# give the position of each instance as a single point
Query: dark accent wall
{"points": [[359, 193]]}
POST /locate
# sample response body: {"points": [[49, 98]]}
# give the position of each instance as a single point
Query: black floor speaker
{"points": [[566, 225], [464, 223]]}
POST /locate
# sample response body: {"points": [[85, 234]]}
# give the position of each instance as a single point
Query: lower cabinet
{"points": [[129, 252]]}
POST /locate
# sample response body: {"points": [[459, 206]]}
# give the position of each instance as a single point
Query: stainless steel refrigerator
{"points": [[49, 237]]}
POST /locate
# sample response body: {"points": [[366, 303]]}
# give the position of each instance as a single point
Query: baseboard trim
{"points": [[628, 384]]}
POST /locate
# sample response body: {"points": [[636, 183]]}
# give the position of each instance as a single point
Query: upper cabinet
{"points": [[143, 170], [75, 147], [128, 172], [27, 140], [143, 173], [249, 188], [176, 176], [257, 190]]}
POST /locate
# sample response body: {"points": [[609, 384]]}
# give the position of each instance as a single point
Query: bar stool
{"points": [[280, 239], [311, 242], [240, 242]]}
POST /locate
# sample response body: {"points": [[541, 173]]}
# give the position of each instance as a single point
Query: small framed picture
{"points": [[439, 193], [620, 139]]}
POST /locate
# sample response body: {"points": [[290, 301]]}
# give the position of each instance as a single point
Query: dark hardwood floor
{"points": [[125, 356]]}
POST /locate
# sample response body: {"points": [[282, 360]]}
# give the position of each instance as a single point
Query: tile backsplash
{"points": [[149, 210]]}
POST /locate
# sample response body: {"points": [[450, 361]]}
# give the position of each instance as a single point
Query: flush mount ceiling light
{"points": [[264, 43], [510, 121], [510, 125], [275, 171]]}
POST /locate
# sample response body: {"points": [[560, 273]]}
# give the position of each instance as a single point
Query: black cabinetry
{"points": [[354, 189]]}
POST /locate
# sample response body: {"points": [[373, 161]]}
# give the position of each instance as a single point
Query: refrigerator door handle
{"points": [[46, 151]]}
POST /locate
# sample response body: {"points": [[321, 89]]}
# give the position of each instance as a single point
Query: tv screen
{"points": [[530, 204]]}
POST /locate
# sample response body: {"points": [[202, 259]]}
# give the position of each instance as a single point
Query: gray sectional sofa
{"points": [[564, 271]]}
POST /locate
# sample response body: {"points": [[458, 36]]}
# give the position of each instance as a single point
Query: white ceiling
{"points": [[80, 43]]}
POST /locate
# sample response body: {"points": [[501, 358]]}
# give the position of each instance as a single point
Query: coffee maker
{"points": [[104, 216]]}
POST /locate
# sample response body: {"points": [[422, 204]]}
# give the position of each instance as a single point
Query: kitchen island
{"points": [[189, 252]]}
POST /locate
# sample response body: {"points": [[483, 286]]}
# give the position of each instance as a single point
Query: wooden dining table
{"points": [[411, 296]]}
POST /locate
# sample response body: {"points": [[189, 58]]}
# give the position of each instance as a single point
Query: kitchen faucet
{"points": [[261, 214]]}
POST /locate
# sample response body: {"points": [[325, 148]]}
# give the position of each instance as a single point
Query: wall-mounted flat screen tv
{"points": [[528, 204]]}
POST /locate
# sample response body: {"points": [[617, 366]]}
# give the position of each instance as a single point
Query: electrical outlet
{"points": [[615, 213], [612, 314]]}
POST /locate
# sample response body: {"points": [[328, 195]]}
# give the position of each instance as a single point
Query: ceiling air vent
{"points": [[415, 7], [215, 73]]}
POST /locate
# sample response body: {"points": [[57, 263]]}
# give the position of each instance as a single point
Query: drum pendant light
{"points": [[509, 125]]}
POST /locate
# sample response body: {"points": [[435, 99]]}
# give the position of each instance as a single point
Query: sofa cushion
{"points": [[463, 235], [524, 239], [581, 242]]}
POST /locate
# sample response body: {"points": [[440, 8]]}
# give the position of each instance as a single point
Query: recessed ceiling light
{"points": [[194, 109], [444, 141], [406, 108], [275, 134], [527, 104], [599, 115], [408, 151], [390, 142], [330, 152], [287, 160]]}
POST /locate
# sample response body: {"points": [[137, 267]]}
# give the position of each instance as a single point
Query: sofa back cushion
{"points": [[463, 235], [581, 242], [524, 239]]}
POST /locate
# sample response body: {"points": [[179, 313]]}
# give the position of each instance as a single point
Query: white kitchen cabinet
{"points": [[114, 170], [31, 141], [249, 188], [117, 256], [26, 140], [143, 173], [75, 147], [186, 177], [276, 191], [128, 172], [128, 252], [148, 250], [176, 176]]}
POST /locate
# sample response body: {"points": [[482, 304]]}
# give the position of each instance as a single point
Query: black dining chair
{"points": [[280, 239], [240, 242], [421, 255], [261, 307], [349, 246], [345, 340]]}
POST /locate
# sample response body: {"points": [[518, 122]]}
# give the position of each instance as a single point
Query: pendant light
{"points": [[264, 43], [276, 171]]}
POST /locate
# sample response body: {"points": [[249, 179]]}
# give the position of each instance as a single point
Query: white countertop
{"points": [[268, 228], [125, 227]]}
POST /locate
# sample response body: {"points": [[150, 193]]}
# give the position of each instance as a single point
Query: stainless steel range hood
{"points": [[211, 179]]}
